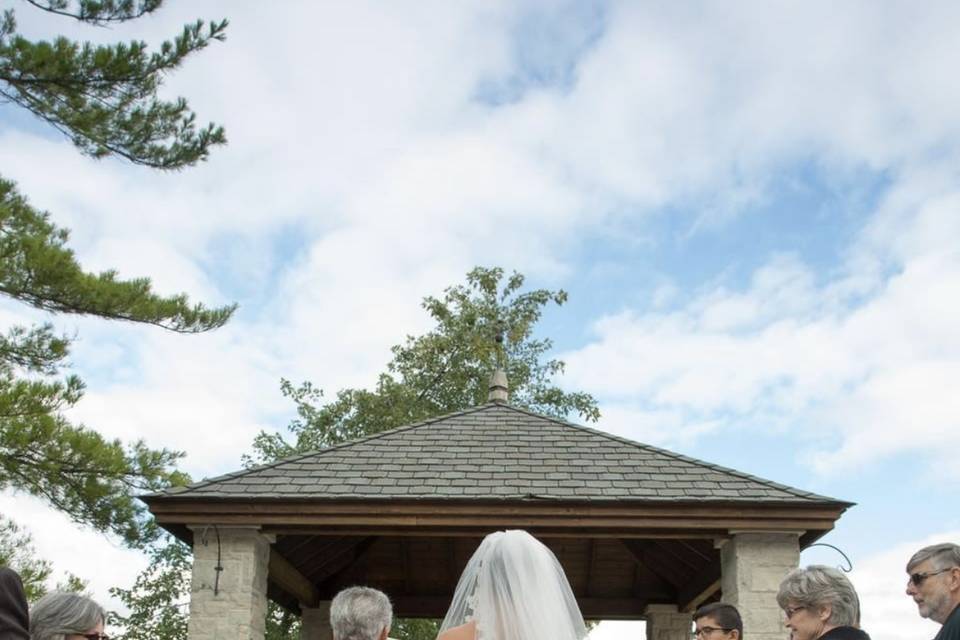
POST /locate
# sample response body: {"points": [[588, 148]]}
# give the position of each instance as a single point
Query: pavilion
{"points": [[642, 533]]}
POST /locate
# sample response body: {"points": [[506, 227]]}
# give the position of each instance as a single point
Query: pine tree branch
{"points": [[101, 12], [53, 303], [104, 98]]}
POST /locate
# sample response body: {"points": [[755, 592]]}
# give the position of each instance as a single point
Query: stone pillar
{"points": [[752, 566], [315, 622], [664, 622], [234, 604]]}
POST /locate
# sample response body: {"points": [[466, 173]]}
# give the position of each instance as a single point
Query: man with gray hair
{"points": [[934, 584], [361, 613]]}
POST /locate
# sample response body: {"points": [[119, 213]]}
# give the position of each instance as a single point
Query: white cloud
{"points": [[871, 359]]}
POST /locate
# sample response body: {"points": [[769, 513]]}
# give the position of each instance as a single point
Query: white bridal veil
{"points": [[515, 589]]}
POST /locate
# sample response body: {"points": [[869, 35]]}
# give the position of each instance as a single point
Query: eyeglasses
{"points": [[789, 611], [918, 578], [703, 632], [95, 636]]}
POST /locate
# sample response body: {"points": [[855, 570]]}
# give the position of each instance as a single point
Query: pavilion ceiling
{"points": [[611, 578]]}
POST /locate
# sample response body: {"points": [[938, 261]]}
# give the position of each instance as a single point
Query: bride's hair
{"points": [[514, 588]]}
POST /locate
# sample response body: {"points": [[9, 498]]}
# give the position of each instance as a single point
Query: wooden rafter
{"points": [[655, 563], [325, 553], [699, 588], [343, 562], [288, 578]]}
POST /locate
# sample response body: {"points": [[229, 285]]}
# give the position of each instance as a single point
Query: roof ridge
{"points": [[679, 456], [316, 452]]}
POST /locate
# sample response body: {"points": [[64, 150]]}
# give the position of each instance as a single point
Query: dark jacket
{"points": [[951, 626], [845, 633], [14, 621]]}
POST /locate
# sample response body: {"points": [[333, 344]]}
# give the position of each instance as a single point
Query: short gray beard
{"points": [[939, 606]]}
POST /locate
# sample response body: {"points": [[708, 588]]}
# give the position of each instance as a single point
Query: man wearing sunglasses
{"points": [[934, 585]]}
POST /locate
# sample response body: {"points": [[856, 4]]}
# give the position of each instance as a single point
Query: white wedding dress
{"points": [[513, 588]]}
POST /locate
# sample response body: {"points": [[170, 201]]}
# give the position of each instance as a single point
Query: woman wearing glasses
{"points": [[820, 602], [67, 616]]}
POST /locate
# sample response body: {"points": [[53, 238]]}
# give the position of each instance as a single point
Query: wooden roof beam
{"points": [[699, 588], [324, 552], [653, 562], [343, 562], [288, 578]]}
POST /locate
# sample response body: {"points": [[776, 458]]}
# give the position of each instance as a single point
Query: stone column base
{"points": [[753, 565], [664, 622], [315, 622]]}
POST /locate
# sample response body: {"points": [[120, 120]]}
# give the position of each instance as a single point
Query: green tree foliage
{"points": [[281, 624], [104, 98], [415, 628], [485, 323], [18, 553], [158, 600]]}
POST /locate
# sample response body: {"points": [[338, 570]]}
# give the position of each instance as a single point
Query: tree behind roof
{"points": [[104, 98], [479, 326]]}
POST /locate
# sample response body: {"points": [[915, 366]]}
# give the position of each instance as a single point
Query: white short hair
{"points": [[360, 613]]}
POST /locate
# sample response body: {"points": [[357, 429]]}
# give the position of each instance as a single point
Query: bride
{"points": [[513, 588]]}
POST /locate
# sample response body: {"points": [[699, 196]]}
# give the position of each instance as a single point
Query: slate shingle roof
{"points": [[496, 451]]}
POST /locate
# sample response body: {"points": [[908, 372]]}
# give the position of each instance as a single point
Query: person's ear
{"points": [[384, 633], [954, 584], [825, 612], [734, 634]]}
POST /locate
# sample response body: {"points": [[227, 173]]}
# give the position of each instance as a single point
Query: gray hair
{"points": [[360, 613], [59, 614], [817, 586], [944, 555]]}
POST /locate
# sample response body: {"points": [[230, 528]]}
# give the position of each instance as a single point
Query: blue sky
{"points": [[754, 206]]}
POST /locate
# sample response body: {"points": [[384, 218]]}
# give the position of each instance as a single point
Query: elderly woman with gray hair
{"points": [[361, 613], [820, 603], [67, 616]]}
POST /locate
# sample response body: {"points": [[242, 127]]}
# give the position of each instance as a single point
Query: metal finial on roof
{"points": [[499, 392]]}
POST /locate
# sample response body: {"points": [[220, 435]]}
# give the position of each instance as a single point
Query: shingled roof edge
{"points": [[300, 456], [798, 493], [678, 456]]}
